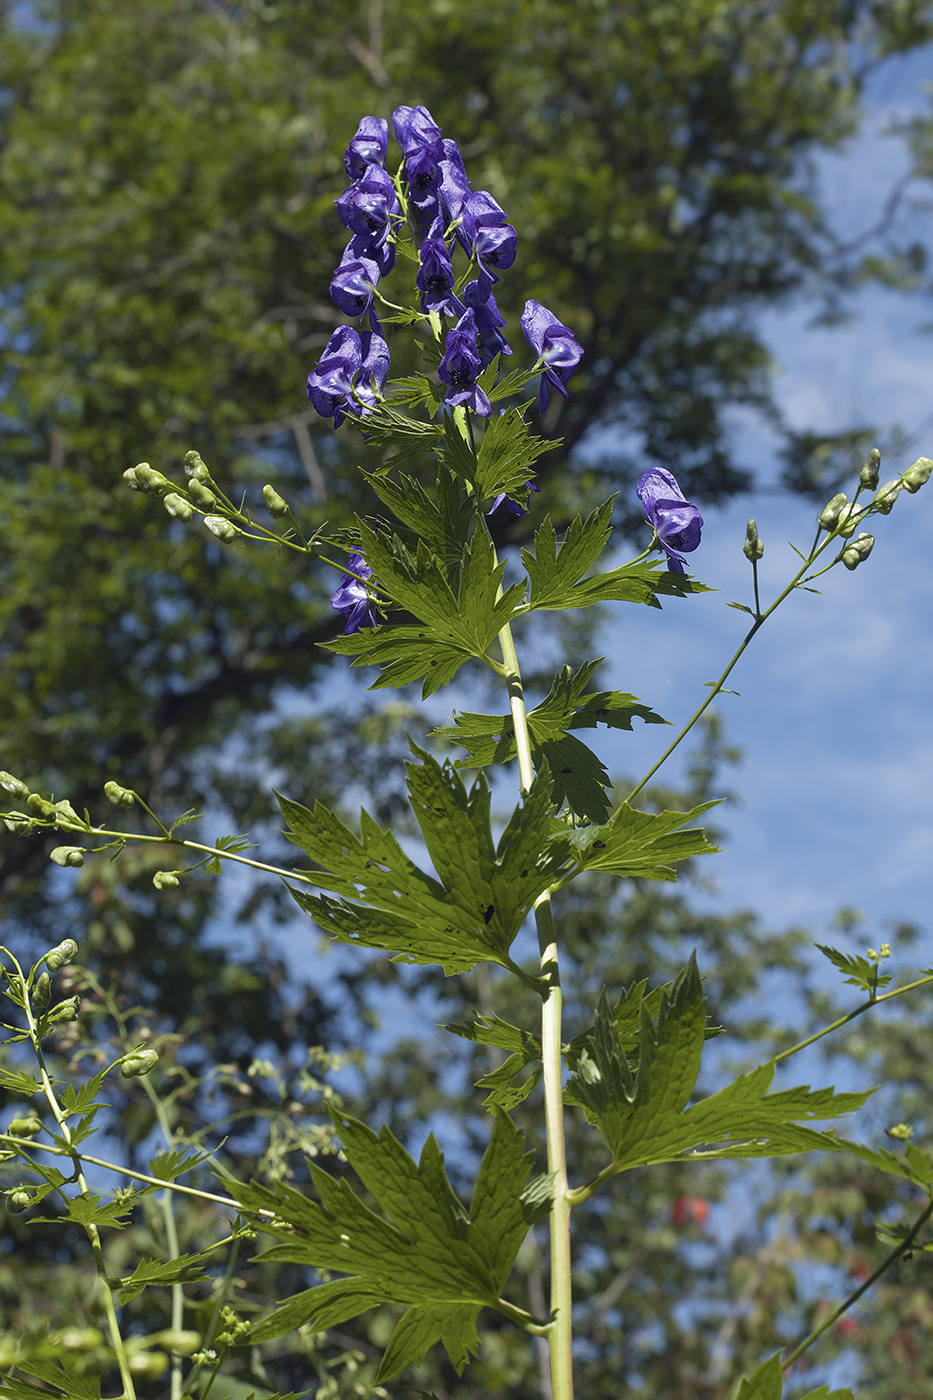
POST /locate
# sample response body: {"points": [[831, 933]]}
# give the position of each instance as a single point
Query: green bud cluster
{"points": [[868, 477], [753, 549], [13, 785], [25, 1127], [67, 855], [65, 1011], [885, 498], [165, 880], [222, 528], [847, 519], [235, 1330], [40, 806], [275, 504], [177, 507], [830, 513], [61, 954], [148, 479], [138, 1063], [858, 551], [918, 475], [119, 796]]}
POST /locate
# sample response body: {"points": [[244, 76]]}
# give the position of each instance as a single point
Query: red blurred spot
{"points": [[846, 1325], [686, 1208]]}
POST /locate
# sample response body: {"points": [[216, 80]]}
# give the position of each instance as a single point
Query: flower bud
{"points": [[140, 1062], [221, 528], [200, 494], [151, 480], [275, 505], [848, 518], [18, 1201], [886, 496], [119, 796], [903, 1131], [65, 1011], [147, 1365], [177, 506], [918, 475], [25, 1127], [830, 512], [61, 954], [42, 991], [13, 785], [868, 477], [39, 806], [65, 809], [129, 476], [752, 548], [858, 551], [194, 467], [67, 855], [20, 826], [165, 880], [176, 1339]]}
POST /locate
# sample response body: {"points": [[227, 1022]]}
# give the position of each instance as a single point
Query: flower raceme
{"points": [[352, 598], [676, 521]]}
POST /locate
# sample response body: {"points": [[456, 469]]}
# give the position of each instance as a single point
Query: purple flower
{"points": [[369, 146], [436, 274], [424, 177], [367, 206], [554, 344], [352, 599], [374, 366], [478, 296], [360, 268], [513, 506], [454, 188], [676, 520], [460, 366], [416, 128], [486, 232], [330, 383]]}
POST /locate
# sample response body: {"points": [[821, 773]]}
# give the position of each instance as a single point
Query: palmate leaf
{"points": [[456, 622], [579, 777], [768, 1384], [188, 1268], [443, 523], [471, 912], [425, 1251], [64, 1376], [641, 1109], [19, 1082], [863, 972], [642, 844]]}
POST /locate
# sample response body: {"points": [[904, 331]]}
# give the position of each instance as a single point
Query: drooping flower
{"points": [[554, 344], [367, 206], [361, 266], [369, 146], [374, 367], [330, 383], [352, 598], [478, 296], [460, 366], [454, 189], [415, 128], [435, 278], [677, 521], [487, 232]]}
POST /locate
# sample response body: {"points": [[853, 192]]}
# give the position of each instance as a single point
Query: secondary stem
{"points": [[560, 1334]]}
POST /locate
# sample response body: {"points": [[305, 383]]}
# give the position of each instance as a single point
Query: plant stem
{"points": [[892, 1258], [851, 1015], [560, 1333], [171, 1234], [92, 1231]]}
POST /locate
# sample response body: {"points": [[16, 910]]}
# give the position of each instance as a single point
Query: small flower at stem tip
{"points": [[139, 1063], [42, 991], [868, 477], [275, 505], [194, 466], [221, 528], [753, 549], [13, 785], [201, 495], [886, 496], [858, 551], [119, 796], [165, 880], [177, 506], [677, 522], [65, 1011], [830, 513], [918, 475], [61, 954], [67, 855], [352, 598], [25, 1127]]}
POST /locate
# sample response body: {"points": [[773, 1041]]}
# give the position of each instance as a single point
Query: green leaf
{"points": [[443, 524], [863, 972], [766, 1384], [65, 1377], [78, 1101], [553, 570], [87, 1210], [472, 913], [507, 454], [425, 1251], [168, 1166], [188, 1268], [642, 844], [19, 1082]]}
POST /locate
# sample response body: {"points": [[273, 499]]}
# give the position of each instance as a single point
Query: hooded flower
{"points": [[369, 146], [460, 366], [436, 274], [554, 344], [486, 232], [478, 296], [374, 367], [330, 383], [415, 128], [368, 205], [676, 520], [352, 599], [361, 266], [454, 189]]}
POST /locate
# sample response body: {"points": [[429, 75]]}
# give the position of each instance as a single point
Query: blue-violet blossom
{"points": [[352, 599], [487, 232], [554, 344], [677, 522], [367, 206], [478, 296], [361, 266], [435, 278], [460, 366], [370, 146], [330, 383]]}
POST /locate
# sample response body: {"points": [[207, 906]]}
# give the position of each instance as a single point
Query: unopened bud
{"points": [[165, 880], [221, 528], [67, 855], [42, 991], [848, 518], [61, 954], [13, 785], [886, 496], [139, 1063], [65, 809], [147, 1365], [177, 1339], [903, 1131], [25, 1127], [275, 505], [194, 467], [868, 476], [40, 806], [119, 796], [18, 1201], [65, 1011], [858, 551], [200, 494], [129, 476], [177, 506], [752, 548], [20, 826], [831, 511], [151, 480], [918, 475]]}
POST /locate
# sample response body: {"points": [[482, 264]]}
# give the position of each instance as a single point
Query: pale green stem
{"points": [[560, 1333], [92, 1231], [171, 1233], [851, 1015]]}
